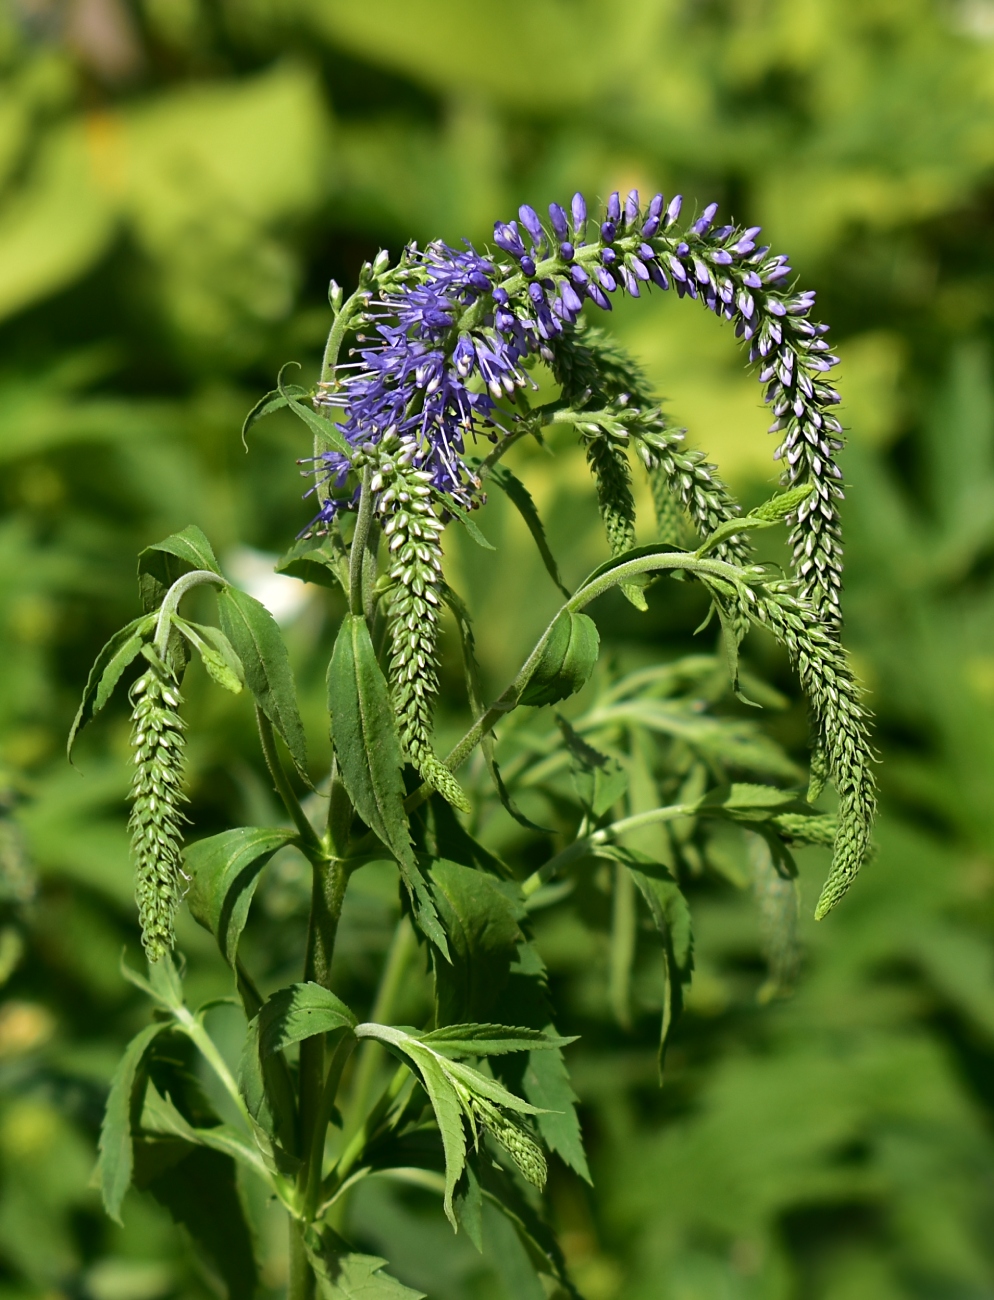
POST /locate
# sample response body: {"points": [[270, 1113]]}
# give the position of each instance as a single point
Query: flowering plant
{"points": [[445, 342]]}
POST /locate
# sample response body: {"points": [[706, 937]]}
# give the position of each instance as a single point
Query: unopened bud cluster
{"points": [[156, 794], [412, 529], [519, 1144]]}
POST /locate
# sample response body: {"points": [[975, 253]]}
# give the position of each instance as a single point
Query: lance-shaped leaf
{"points": [[521, 499], [326, 430], [315, 561], [161, 564], [490, 1040], [671, 913], [121, 1117], [224, 871], [255, 636], [369, 758], [300, 1011], [276, 400], [217, 653], [266, 1087], [475, 696], [120, 651]]}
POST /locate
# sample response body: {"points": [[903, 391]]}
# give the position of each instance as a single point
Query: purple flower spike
{"points": [[595, 295], [608, 232], [579, 212], [629, 281], [571, 299], [579, 276], [527, 265], [614, 208], [658, 275], [566, 251], [703, 222], [557, 215], [639, 267], [673, 211], [632, 208], [606, 279]]}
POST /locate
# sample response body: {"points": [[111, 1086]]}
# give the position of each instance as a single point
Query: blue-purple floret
{"points": [[435, 384]]}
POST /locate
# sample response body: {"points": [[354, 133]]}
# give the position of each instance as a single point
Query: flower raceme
{"points": [[453, 331]]}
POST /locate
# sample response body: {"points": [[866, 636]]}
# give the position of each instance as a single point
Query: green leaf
{"points": [[490, 1040], [221, 662], [121, 1116], [266, 1086], [369, 757], [315, 562], [599, 780], [345, 1275], [255, 636], [198, 1187], [468, 523], [481, 916], [671, 914], [475, 695], [274, 401], [224, 871], [521, 499], [120, 651], [297, 1012], [327, 430], [161, 564], [567, 660]]}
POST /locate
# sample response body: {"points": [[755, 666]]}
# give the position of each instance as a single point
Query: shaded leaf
{"points": [[199, 1189], [273, 401], [121, 1116], [120, 651], [224, 871], [297, 1012], [312, 561], [490, 1040], [161, 564], [369, 757], [343, 1274], [567, 660], [521, 499]]}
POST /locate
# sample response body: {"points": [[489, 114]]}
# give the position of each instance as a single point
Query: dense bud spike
{"points": [[156, 795]]}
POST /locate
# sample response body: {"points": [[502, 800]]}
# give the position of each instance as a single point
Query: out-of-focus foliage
{"points": [[178, 181]]}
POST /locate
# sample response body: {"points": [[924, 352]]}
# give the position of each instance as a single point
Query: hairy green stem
{"points": [[170, 604], [300, 1285], [359, 539]]}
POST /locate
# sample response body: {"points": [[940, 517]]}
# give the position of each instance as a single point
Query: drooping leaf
{"points": [[343, 1274], [481, 917], [273, 401], [121, 1116], [120, 651], [468, 523], [475, 696], [369, 758], [297, 1012], [521, 499], [255, 636], [161, 564], [567, 660], [265, 1085], [224, 871], [221, 662], [598, 779], [327, 430], [314, 561], [198, 1187], [671, 913]]}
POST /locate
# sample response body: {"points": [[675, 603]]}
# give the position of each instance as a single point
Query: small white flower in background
{"points": [[252, 570]]}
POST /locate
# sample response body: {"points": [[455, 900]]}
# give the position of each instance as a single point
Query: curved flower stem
{"points": [[582, 846], [170, 603], [339, 328]]}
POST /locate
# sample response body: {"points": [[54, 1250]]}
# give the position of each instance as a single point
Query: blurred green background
{"points": [[178, 181]]}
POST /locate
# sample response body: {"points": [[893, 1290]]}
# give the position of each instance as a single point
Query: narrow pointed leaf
{"points": [[120, 651], [161, 564], [370, 760], [124, 1103], [255, 636], [521, 499]]}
